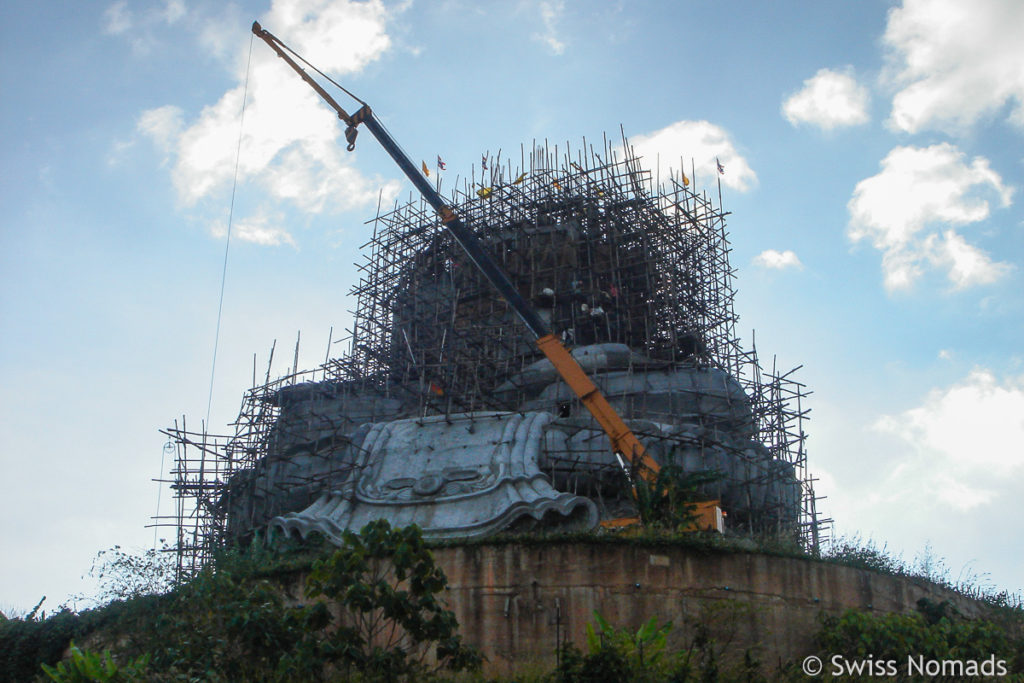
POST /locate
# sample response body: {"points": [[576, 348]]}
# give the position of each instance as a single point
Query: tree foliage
{"points": [[374, 612], [393, 621]]}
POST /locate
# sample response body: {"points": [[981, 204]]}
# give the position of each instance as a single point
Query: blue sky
{"points": [[873, 171]]}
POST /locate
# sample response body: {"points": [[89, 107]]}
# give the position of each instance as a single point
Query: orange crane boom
{"points": [[623, 442]]}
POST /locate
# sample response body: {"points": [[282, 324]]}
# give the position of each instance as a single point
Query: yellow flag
{"points": [[555, 183], [520, 179], [426, 171], [484, 192], [686, 181]]}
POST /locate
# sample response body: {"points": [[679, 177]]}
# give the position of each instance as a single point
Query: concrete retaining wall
{"points": [[512, 601]]}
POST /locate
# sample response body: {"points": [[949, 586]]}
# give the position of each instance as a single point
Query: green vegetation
{"points": [[855, 552], [83, 667], [668, 501], [643, 656], [262, 614], [936, 632], [235, 621]]}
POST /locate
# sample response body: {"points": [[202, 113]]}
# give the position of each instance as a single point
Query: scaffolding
{"points": [[606, 254]]}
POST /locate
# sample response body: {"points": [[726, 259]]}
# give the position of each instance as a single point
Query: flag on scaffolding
{"points": [[440, 164], [520, 179], [555, 183], [686, 181], [721, 169], [436, 389], [483, 162], [426, 171], [484, 192]]}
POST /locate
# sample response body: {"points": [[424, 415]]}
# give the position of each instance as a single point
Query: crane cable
{"points": [[223, 278], [337, 85], [227, 243], [302, 59]]}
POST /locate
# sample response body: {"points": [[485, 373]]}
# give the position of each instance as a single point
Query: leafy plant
{"points": [[85, 667], [668, 501], [618, 654], [641, 649]]}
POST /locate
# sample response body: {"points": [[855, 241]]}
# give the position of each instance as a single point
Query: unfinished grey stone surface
{"points": [[464, 476]]}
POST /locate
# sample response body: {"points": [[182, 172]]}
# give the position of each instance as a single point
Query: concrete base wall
{"points": [[514, 601]]}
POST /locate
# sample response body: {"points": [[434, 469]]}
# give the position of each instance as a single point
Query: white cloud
{"points": [[550, 12], [174, 10], [954, 62], [701, 141], [141, 28], [256, 229], [778, 260], [830, 99], [966, 265], [908, 212], [163, 125], [964, 443], [117, 18], [292, 143]]}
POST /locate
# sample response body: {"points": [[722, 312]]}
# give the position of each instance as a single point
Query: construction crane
{"points": [[627, 448]]}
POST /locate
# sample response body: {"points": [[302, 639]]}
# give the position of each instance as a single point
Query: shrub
{"points": [[85, 667]]}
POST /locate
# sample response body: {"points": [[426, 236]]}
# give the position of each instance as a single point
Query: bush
{"points": [[85, 667], [232, 621], [935, 632], [617, 654]]}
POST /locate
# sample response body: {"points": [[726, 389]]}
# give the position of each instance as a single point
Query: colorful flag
{"points": [[521, 178], [484, 192], [555, 183], [483, 162], [686, 181], [440, 164], [436, 389], [426, 171], [721, 169]]}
